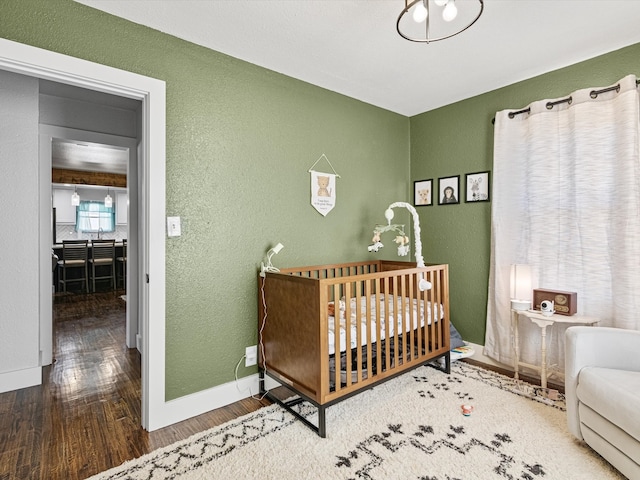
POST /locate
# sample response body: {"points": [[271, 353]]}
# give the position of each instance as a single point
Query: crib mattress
{"points": [[388, 311]]}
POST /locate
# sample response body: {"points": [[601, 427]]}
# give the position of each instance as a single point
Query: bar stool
{"points": [[103, 254], [74, 255], [121, 264]]}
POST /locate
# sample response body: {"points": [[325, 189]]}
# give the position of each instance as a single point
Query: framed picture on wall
{"points": [[477, 187], [423, 193], [449, 190]]}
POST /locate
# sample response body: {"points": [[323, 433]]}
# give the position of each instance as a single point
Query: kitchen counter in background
{"points": [[59, 245]]}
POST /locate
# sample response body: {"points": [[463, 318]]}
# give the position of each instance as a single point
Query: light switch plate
{"points": [[173, 226]]}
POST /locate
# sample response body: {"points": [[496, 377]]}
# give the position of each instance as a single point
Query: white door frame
{"points": [[39, 63]]}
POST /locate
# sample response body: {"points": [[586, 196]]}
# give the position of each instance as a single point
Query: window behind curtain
{"points": [[566, 201], [93, 217]]}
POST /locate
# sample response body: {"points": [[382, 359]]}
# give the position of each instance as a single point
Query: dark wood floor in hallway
{"points": [[85, 417]]}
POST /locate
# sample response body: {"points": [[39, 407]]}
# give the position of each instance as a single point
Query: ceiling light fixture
{"points": [[416, 23], [75, 198]]}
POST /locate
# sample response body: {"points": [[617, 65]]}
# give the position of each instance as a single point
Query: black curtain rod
{"points": [[550, 105]]}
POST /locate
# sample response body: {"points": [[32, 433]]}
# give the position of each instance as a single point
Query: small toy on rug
{"points": [[466, 409]]}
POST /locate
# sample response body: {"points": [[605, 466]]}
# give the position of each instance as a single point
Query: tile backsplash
{"points": [[68, 232]]}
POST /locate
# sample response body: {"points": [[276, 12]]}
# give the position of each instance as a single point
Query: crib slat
{"points": [[375, 297], [348, 350], [358, 298], [435, 314], [419, 332], [387, 352], [407, 318], [336, 337], [369, 332], [414, 314], [392, 319], [438, 329]]}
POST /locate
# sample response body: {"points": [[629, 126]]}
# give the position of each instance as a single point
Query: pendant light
{"points": [[75, 198], [108, 201]]}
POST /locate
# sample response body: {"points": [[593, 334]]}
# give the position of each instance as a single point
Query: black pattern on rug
{"points": [[190, 455], [520, 388], [367, 456], [364, 459], [375, 451]]}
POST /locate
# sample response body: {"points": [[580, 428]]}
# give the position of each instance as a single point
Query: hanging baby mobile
{"points": [[323, 188], [401, 239]]}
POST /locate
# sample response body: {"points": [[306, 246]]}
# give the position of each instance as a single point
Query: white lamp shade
{"points": [[520, 286], [75, 199], [108, 201]]}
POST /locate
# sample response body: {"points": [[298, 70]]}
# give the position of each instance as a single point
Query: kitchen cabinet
{"points": [[65, 212], [122, 208]]}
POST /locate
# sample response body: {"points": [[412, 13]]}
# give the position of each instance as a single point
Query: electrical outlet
{"points": [[251, 356]]}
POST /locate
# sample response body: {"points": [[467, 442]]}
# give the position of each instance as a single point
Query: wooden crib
{"points": [[329, 332]]}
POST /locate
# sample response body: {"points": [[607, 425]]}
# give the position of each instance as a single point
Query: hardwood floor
{"points": [[85, 417]]}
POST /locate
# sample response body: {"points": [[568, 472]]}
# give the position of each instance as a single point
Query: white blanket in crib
{"points": [[388, 312]]}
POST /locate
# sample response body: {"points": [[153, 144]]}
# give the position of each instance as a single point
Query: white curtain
{"points": [[566, 200]]}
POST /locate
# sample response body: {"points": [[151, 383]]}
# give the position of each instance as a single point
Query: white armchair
{"points": [[602, 387]]}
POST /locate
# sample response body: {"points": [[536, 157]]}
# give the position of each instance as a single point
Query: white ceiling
{"points": [[89, 157], [351, 46], [85, 156]]}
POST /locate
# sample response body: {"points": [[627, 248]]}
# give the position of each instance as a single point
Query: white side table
{"points": [[543, 322]]}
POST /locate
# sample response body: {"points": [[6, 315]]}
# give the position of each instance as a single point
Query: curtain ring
{"points": [[594, 93], [550, 105]]}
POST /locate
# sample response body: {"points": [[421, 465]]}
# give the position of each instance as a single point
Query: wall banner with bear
{"points": [[323, 188]]}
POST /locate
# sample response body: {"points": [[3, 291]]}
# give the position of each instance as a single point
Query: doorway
{"points": [[42, 64], [103, 149]]}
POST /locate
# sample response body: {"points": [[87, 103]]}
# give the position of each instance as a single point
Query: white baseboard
{"points": [[479, 356], [20, 379], [201, 402]]}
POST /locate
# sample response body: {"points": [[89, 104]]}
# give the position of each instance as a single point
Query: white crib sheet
{"points": [[397, 319]]}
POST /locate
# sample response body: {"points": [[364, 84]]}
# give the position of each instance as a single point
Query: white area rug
{"points": [[408, 428]]}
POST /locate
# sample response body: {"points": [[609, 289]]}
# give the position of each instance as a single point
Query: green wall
{"points": [[240, 142], [458, 139]]}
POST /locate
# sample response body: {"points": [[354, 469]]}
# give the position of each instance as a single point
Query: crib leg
{"points": [[261, 381], [447, 362], [322, 425]]}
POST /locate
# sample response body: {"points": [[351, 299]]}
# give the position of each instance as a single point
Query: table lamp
{"points": [[520, 287]]}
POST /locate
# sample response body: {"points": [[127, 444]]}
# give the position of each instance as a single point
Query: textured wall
{"points": [[19, 242], [240, 140], [458, 139]]}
